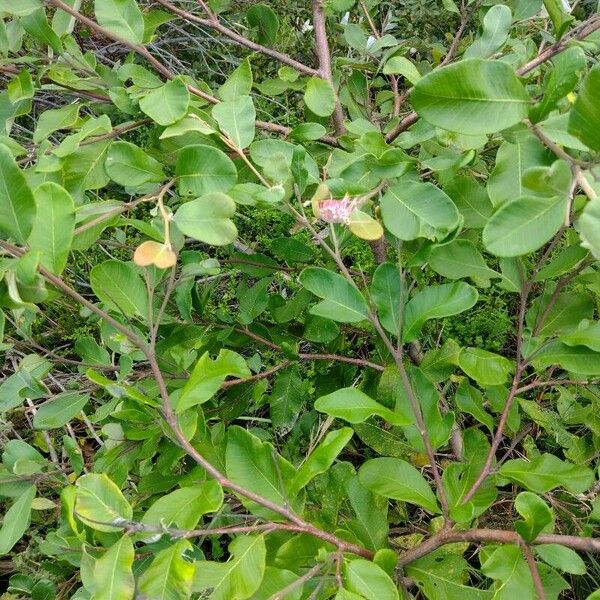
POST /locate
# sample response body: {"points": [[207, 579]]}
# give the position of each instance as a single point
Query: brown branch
{"points": [[535, 574], [552, 383], [324, 56], [213, 23], [495, 536]]}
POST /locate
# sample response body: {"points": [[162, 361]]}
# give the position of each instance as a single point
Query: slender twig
{"points": [[535, 574], [298, 583], [324, 56]]}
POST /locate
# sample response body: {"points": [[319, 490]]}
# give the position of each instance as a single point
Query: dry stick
{"points": [[582, 544], [324, 56], [165, 72], [171, 418], [578, 33], [213, 23], [535, 574]]}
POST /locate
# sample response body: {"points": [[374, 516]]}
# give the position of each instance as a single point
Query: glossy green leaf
{"points": [[53, 226], [123, 18], [400, 65], [471, 200], [414, 209], [100, 502], [16, 520], [167, 104], [321, 458], [208, 375], [536, 515], [369, 580], [577, 359], [59, 410], [240, 576], [17, 205], [341, 300], [208, 219], [524, 225], [588, 334], [236, 120], [584, 119], [470, 400], [54, 120], [239, 83], [319, 97], [184, 507], [398, 479], [119, 285], [388, 296], [546, 473], [170, 575], [203, 169], [264, 19], [506, 564], [496, 27], [435, 302], [472, 96], [561, 558], [486, 368], [354, 406], [113, 575], [459, 259], [130, 166]]}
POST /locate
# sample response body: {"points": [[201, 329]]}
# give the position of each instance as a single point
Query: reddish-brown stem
{"points": [[324, 56], [535, 574]]}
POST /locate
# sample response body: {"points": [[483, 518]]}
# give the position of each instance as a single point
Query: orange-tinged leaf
{"points": [[364, 226], [153, 253]]}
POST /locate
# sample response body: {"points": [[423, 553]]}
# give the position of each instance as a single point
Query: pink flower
{"points": [[336, 211]]}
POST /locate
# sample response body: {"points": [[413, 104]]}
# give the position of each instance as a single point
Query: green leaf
{"points": [[354, 406], [287, 399], [341, 300], [547, 472], [23, 8], [559, 16], [203, 169], [37, 26], [471, 200], [584, 118], [486, 368], [123, 18], [400, 65], [240, 576], [589, 227], [236, 120], [239, 83], [167, 104], [496, 27], [576, 359], [113, 574], [170, 575], [208, 376], [130, 166], [507, 565], [562, 79], [100, 501], [17, 205], [470, 400], [369, 580], [264, 19], [255, 465], [458, 259], [54, 120], [561, 558], [536, 515], [442, 576], [276, 580], [59, 410], [21, 87], [524, 225], [208, 219], [435, 302], [414, 209], [53, 226], [184, 507], [388, 296], [16, 520], [120, 287], [321, 458], [398, 479], [587, 334], [319, 97], [472, 97]]}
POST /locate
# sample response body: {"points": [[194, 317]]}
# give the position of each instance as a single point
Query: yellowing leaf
{"points": [[153, 253]]}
